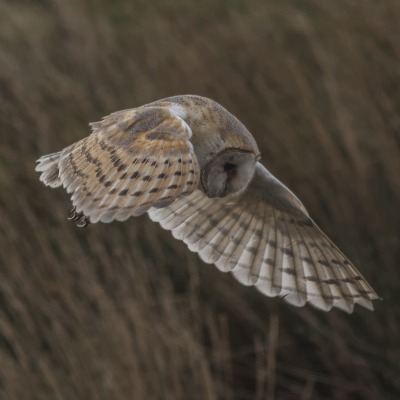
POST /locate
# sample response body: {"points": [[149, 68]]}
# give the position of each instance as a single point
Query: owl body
{"points": [[194, 167]]}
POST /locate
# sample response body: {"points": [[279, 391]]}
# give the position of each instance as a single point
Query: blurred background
{"points": [[123, 311]]}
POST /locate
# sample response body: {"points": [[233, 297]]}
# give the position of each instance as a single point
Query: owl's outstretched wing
{"points": [[134, 159], [265, 237]]}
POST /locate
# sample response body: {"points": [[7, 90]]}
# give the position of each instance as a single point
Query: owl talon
{"points": [[73, 215], [83, 220]]}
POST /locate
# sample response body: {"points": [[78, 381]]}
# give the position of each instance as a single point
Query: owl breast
{"points": [[227, 173]]}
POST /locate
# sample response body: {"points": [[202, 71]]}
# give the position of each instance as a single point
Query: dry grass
{"points": [[123, 311]]}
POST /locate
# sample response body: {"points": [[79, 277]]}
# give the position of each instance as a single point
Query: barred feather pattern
{"points": [[133, 160]]}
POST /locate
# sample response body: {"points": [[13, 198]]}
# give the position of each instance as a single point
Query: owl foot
{"points": [[83, 220]]}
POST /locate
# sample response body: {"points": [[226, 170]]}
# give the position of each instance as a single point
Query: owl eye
{"points": [[231, 170], [229, 167]]}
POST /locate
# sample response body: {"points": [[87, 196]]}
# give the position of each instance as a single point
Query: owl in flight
{"points": [[194, 168]]}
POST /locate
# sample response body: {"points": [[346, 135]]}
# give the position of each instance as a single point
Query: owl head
{"points": [[227, 172]]}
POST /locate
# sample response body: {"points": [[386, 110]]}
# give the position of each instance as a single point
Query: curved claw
{"points": [[83, 220], [73, 215]]}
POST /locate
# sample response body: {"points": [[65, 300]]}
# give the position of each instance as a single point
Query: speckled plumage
{"points": [[194, 168]]}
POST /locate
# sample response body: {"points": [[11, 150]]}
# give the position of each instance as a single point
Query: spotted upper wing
{"points": [[133, 160], [265, 238]]}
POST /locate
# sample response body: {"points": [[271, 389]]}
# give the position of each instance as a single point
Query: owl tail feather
{"points": [[48, 166]]}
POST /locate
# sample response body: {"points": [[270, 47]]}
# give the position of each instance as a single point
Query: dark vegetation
{"points": [[123, 311]]}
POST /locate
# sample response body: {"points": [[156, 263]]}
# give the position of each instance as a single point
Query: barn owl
{"points": [[195, 169]]}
